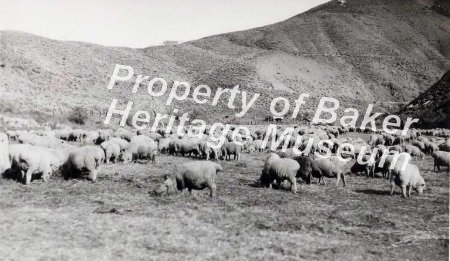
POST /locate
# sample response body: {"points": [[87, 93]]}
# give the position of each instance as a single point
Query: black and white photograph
{"points": [[224, 129]]}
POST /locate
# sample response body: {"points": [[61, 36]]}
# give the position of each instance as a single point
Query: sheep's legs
{"points": [[28, 176], [404, 191], [213, 190], [293, 185], [392, 189], [409, 191]]}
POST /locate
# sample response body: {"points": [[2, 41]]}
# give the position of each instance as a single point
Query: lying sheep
{"points": [[82, 161], [441, 158], [279, 169], [332, 167], [407, 179], [198, 175], [29, 160]]}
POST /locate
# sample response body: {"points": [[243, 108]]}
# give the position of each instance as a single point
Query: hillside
{"points": [[433, 106], [361, 52]]}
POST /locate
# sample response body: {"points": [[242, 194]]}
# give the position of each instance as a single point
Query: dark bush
{"points": [[78, 115]]}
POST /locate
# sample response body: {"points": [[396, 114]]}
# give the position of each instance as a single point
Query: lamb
{"points": [[198, 175], [279, 169], [28, 160], [332, 167], [84, 160], [441, 158], [407, 179]]}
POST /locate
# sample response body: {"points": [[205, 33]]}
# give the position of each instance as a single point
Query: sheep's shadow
{"points": [[372, 191]]}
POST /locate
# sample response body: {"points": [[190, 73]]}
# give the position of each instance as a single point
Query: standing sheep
{"points": [[441, 158], [112, 151], [198, 175], [29, 160], [407, 179], [308, 169], [141, 147], [332, 167], [84, 160], [279, 169]]}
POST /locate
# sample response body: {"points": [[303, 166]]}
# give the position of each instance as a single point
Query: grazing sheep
{"points": [[441, 158], [279, 169], [141, 147], [123, 144], [368, 167], [155, 136], [407, 179], [124, 134], [414, 151], [186, 147], [29, 160], [164, 144], [308, 169], [198, 175], [232, 149], [445, 146], [82, 161], [430, 147], [112, 151], [332, 167]]}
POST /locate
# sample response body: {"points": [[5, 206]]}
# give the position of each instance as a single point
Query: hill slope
{"points": [[361, 52], [433, 106]]}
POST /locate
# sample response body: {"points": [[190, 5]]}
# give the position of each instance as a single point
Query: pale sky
{"points": [[142, 23]]}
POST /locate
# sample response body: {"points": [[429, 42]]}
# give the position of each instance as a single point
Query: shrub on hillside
{"points": [[78, 115]]}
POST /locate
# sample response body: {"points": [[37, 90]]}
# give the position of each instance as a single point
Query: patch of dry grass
{"points": [[116, 218]]}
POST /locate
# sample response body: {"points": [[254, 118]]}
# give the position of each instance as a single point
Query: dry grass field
{"points": [[117, 218]]}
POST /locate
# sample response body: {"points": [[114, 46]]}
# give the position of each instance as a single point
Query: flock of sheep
{"points": [[77, 153]]}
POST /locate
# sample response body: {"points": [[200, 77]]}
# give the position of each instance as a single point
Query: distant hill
{"points": [[361, 52], [433, 106]]}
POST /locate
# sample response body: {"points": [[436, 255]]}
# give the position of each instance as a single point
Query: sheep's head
{"points": [[167, 187], [420, 188]]}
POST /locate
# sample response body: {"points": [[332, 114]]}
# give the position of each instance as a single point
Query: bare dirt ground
{"points": [[117, 218]]}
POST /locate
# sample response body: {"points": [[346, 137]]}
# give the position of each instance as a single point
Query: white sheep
{"points": [[29, 160], [279, 169], [407, 179], [198, 175], [441, 158], [82, 160]]}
